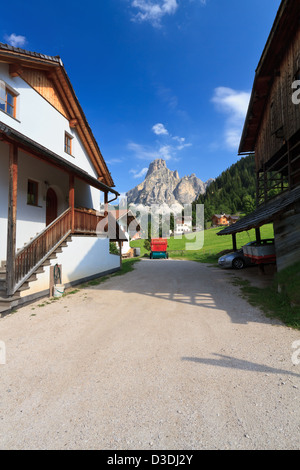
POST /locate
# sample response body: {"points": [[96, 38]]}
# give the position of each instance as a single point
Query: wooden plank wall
{"points": [[38, 80], [280, 110], [287, 240]]}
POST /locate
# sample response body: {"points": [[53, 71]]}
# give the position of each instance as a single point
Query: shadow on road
{"points": [[188, 283], [234, 363]]}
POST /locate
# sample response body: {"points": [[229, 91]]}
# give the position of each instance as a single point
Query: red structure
{"points": [[159, 248]]}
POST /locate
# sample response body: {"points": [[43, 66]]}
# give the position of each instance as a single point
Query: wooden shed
{"points": [[272, 133]]}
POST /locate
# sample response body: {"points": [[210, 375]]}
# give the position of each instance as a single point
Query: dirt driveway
{"points": [[165, 357]]}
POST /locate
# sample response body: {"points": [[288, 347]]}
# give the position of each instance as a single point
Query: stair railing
{"points": [[35, 253]]}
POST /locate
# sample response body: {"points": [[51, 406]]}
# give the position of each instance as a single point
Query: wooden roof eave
{"points": [[63, 84], [258, 99], [283, 29], [10, 57], [265, 213]]}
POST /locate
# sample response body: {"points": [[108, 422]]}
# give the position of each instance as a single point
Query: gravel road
{"points": [[167, 357]]}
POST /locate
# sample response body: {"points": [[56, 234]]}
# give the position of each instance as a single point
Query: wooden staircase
{"points": [[8, 302], [31, 260]]}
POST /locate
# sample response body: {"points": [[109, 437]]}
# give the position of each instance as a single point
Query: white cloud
{"points": [[143, 152], [153, 12], [159, 129], [15, 40], [234, 104], [137, 173], [166, 146], [166, 152]]}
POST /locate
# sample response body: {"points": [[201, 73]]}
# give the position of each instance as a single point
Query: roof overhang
{"points": [[264, 214], [285, 26], [10, 135]]}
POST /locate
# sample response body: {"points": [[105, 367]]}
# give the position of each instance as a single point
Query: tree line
{"points": [[233, 192]]}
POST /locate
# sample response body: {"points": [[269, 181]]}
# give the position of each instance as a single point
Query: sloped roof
{"points": [[285, 26], [37, 55], [29, 59], [264, 214]]}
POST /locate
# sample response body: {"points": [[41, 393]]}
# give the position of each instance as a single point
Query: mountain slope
{"points": [[231, 192]]}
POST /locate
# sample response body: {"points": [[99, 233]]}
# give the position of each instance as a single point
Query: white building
{"points": [[52, 176], [183, 225]]}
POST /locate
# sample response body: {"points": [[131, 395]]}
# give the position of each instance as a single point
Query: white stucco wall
{"points": [[83, 257], [41, 122], [32, 219], [4, 158]]}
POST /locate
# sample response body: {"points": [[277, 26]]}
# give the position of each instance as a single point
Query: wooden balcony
{"points": [[86, 221]]}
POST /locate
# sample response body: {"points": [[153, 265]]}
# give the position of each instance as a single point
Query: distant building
{"points": [[233, 219], [220, 220], [183, 225]]}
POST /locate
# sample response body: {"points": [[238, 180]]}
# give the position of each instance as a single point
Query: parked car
{"points": [[235, 260]]}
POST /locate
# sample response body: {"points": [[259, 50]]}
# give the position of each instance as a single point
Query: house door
{"points": [[51, 206]]}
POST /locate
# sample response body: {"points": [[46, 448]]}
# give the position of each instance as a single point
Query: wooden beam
{"points": [[12, 218], [258, 236], [72, 200], [73, 123], [120, 252], [234, 246], [15, 70], [36, 154]]}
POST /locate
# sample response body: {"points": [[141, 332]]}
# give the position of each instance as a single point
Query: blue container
{"points": [[158, 255]]}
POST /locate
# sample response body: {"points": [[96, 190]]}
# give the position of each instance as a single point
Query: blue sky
{"points": [[156, 78]]}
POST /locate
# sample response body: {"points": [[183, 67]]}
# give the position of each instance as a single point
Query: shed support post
{"points": [[258, 237], [234, 242], [120, 249]]}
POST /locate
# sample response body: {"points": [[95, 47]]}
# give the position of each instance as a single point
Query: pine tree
{"points": [[231, 192]]}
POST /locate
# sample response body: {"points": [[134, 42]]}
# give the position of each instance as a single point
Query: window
{"points": [[32, 193], [8, 100], [68, 144]]}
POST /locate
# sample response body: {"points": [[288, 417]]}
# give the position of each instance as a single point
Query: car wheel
{"points": [[238, 263]]}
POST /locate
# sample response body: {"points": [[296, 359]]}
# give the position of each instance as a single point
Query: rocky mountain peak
{"points": [[163, 186], [156, 165]]}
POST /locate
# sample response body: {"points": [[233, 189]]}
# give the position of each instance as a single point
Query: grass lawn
{"points": [[213, 244], [281, 300]]}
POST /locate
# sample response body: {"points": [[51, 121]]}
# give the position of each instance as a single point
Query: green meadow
{"points": [[190, 246]]}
